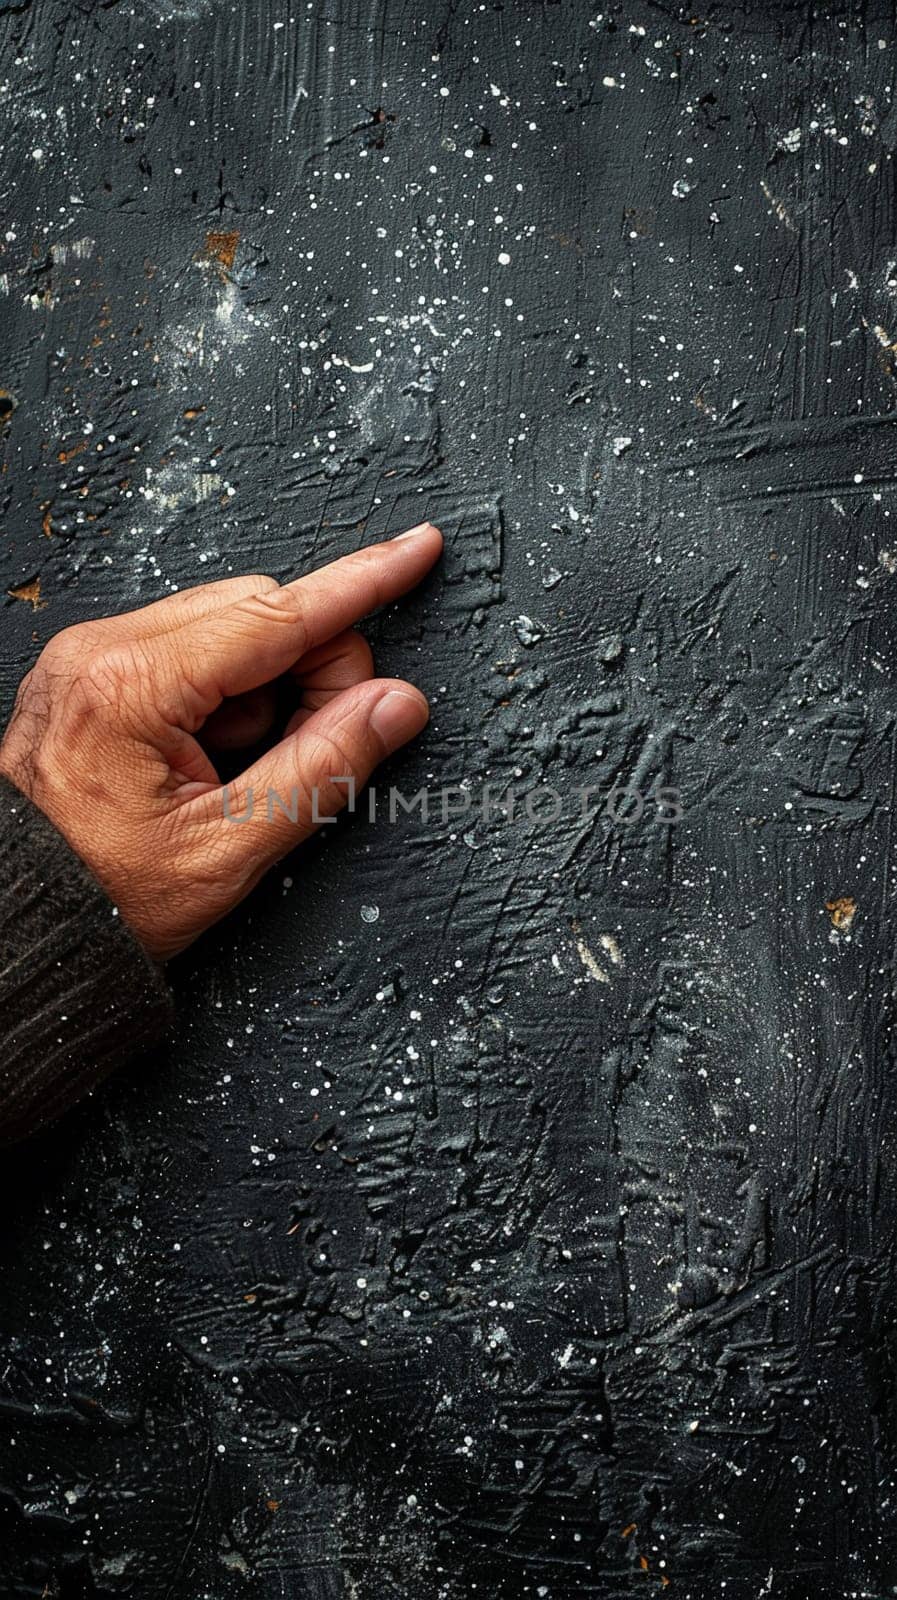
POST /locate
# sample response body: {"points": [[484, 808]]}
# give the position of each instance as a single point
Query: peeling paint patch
{"points": [[29, 592], [842, 911]]}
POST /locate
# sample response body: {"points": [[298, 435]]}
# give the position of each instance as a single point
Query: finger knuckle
{"points": [[112, 680], [67, 649], [371, 562], [360, 655], [105, 673], [281, 605], [259, 583], [330, 760]]}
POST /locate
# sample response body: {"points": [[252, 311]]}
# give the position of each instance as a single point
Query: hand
{"points": [[103, 737]]}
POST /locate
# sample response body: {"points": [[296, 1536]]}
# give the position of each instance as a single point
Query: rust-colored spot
{"points": [[250, 1299], [273, 1505], [30, 592], [629, 1530], [664, 1582], [643, 1563], [222, 248], [842, 911], [192, 412], [46, 525], [69, 455]]}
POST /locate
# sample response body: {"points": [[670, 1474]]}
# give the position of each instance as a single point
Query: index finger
{"points": [[261, 635]]}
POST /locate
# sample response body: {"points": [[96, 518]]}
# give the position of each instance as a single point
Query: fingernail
{"points": [[415, 533], [398, 717]]}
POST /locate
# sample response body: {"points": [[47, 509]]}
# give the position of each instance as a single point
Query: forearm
{"points": [[77, 992]]}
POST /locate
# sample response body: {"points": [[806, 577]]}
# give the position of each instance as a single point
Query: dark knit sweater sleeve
{"points": [[78, 994]]}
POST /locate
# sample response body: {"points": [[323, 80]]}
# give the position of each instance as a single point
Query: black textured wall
{"points": [[514, 1215]]}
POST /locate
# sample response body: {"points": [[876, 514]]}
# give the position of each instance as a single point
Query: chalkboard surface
{"points": [[513, 1214]]}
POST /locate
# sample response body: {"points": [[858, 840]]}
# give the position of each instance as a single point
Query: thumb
{"points": [[285, 796]]}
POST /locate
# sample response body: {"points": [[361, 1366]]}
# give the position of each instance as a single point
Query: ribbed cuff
{"points": [[78, 993]]}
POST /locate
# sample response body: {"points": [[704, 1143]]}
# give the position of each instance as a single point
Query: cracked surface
{"points": [[514, 1217]]}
